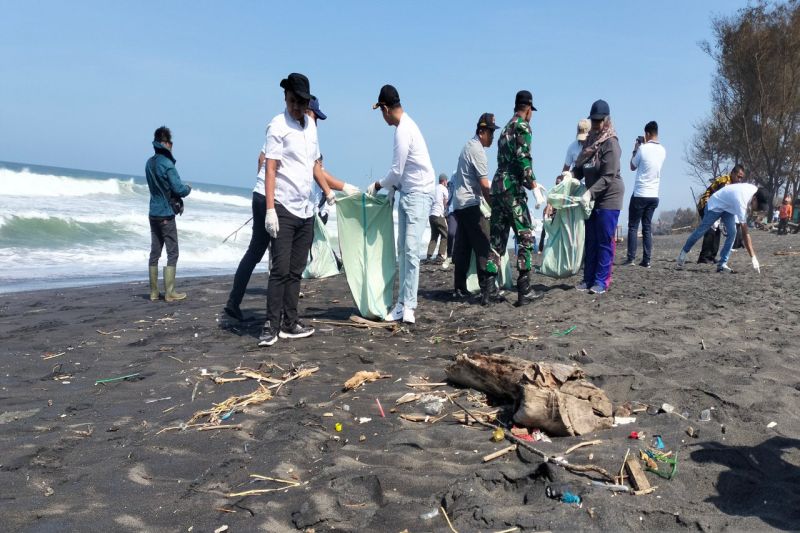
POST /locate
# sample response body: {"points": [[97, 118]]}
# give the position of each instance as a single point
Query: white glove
{"points": [[271, 223], [587, 197], [350, 189], [756, 266], [331, 198], [371, 190]]}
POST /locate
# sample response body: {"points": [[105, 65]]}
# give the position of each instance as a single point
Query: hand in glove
{"points": [[373, 188], [331, 198], [271, 223], [756, 266], [350, 189]]}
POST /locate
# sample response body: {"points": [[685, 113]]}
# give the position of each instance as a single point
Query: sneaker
{"points": [[268, 337], [597, 289], [396, 314], [298, 331], [446, 264], [724, 269], [629, 262], [461, 295], [582, 286], [408, 316], [681, 259], [644, 264]]}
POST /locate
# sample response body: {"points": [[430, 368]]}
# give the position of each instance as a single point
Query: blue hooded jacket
{"points": [[163, 179]]}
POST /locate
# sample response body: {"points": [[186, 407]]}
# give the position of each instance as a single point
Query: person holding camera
{"points": [[166, 191], [647, 160]]}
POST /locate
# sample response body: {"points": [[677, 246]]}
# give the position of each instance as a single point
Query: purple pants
{"points": [[600, 246]]}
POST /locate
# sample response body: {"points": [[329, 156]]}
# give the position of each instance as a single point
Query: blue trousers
{"points": [[599, 247], [728, 219]]}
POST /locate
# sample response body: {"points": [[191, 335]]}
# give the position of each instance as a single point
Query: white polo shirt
{"points": [[648, 160], [412, 170], [573, 151], [296, 148], [734, 199], [262, 171]]}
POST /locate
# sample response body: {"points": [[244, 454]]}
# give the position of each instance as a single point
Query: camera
{"points": [[639, 140]]}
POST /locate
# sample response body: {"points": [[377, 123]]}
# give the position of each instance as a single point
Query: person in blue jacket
{"points": [[166, 191]]}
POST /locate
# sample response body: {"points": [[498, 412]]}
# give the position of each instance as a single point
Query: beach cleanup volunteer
{"points": [[598, 165], [509, 200], [710, 246], [470, 185], [164, 184], [647, 160], [438, 222], [784, 215], [292, 156], [729, 204], [412, 175]]}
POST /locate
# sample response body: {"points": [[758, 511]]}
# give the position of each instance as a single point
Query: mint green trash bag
{"points": [[505, 278], [366, 239], [322, 261], [563, 250]]}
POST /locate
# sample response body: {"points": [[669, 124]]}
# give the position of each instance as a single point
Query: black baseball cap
{"points": [[600, 110], [487, 121], [298, 84], [524, 98], [313, 105], [388, 97]]}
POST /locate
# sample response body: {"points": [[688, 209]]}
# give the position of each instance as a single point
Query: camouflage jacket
{"points": [[514, 166], [716, 185]]}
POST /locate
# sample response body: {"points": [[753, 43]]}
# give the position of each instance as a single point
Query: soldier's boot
{"points": [[154, 296], [525, 293], [489, 293], [169, 285]]}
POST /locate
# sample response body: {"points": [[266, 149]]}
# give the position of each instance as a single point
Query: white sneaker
{"points": [[681, 259], [396, 314], [446, 263], [408, 316]]}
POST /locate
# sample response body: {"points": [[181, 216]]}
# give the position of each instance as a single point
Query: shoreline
{"points": [[87, 456]]}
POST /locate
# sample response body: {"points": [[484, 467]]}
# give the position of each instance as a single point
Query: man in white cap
{"points": [[577, 145]]}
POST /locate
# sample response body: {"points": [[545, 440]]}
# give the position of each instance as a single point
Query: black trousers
{"points": [[259, 242], [472, 236], [452, 229], [163, 231], [289, 257]]}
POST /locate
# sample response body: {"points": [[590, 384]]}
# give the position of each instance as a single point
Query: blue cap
{"points": [[600, 110], [313, 105]]}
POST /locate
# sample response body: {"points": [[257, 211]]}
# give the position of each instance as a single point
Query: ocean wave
{"points": [[218, 198], [30, 184], [56, 232]]}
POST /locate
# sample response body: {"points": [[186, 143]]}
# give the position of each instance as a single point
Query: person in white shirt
{"points": [[584, 125], [438, 222], [729, 204], [411, 174], [648, 158], [292, 164]]}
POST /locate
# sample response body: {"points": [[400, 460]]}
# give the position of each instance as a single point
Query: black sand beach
{"points": [[81, 456]]}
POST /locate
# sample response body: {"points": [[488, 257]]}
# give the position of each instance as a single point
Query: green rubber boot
{"points": [[169, 286], [154, 296]]}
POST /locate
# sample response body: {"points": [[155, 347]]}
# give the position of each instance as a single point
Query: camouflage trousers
{"points": [[510, 213]]}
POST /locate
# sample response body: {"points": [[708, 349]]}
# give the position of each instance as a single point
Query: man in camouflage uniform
{"points": [[514, 177]]}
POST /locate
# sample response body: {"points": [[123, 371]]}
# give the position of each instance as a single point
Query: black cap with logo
{"points": [[388, 97], [524, 98], [298, 84], [487, 121]]}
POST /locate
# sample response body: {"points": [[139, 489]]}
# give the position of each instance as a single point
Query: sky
{"points": [[85, 84]]}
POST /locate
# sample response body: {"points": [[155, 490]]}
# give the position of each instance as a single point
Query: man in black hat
{"points": [[509, 199], [411, 174], [470, 190], [292, 164]]}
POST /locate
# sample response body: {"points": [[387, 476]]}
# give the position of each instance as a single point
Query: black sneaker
{"points": [[233, 311], [629, 262], [268, 337], [644, 264], [461, 295], [298, 331]]}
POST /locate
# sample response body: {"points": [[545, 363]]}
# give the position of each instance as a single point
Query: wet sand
{"points": [[80, 456]]}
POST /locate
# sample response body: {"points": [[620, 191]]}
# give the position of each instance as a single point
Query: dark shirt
{"points": [[602, 176]]}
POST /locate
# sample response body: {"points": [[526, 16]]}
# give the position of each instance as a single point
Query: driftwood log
{"points": [[550, 396]]}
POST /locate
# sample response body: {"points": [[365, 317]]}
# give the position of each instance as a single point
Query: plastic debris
{"points": [[429, 515], [705, 415], [338, 426], [772, 425]]}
